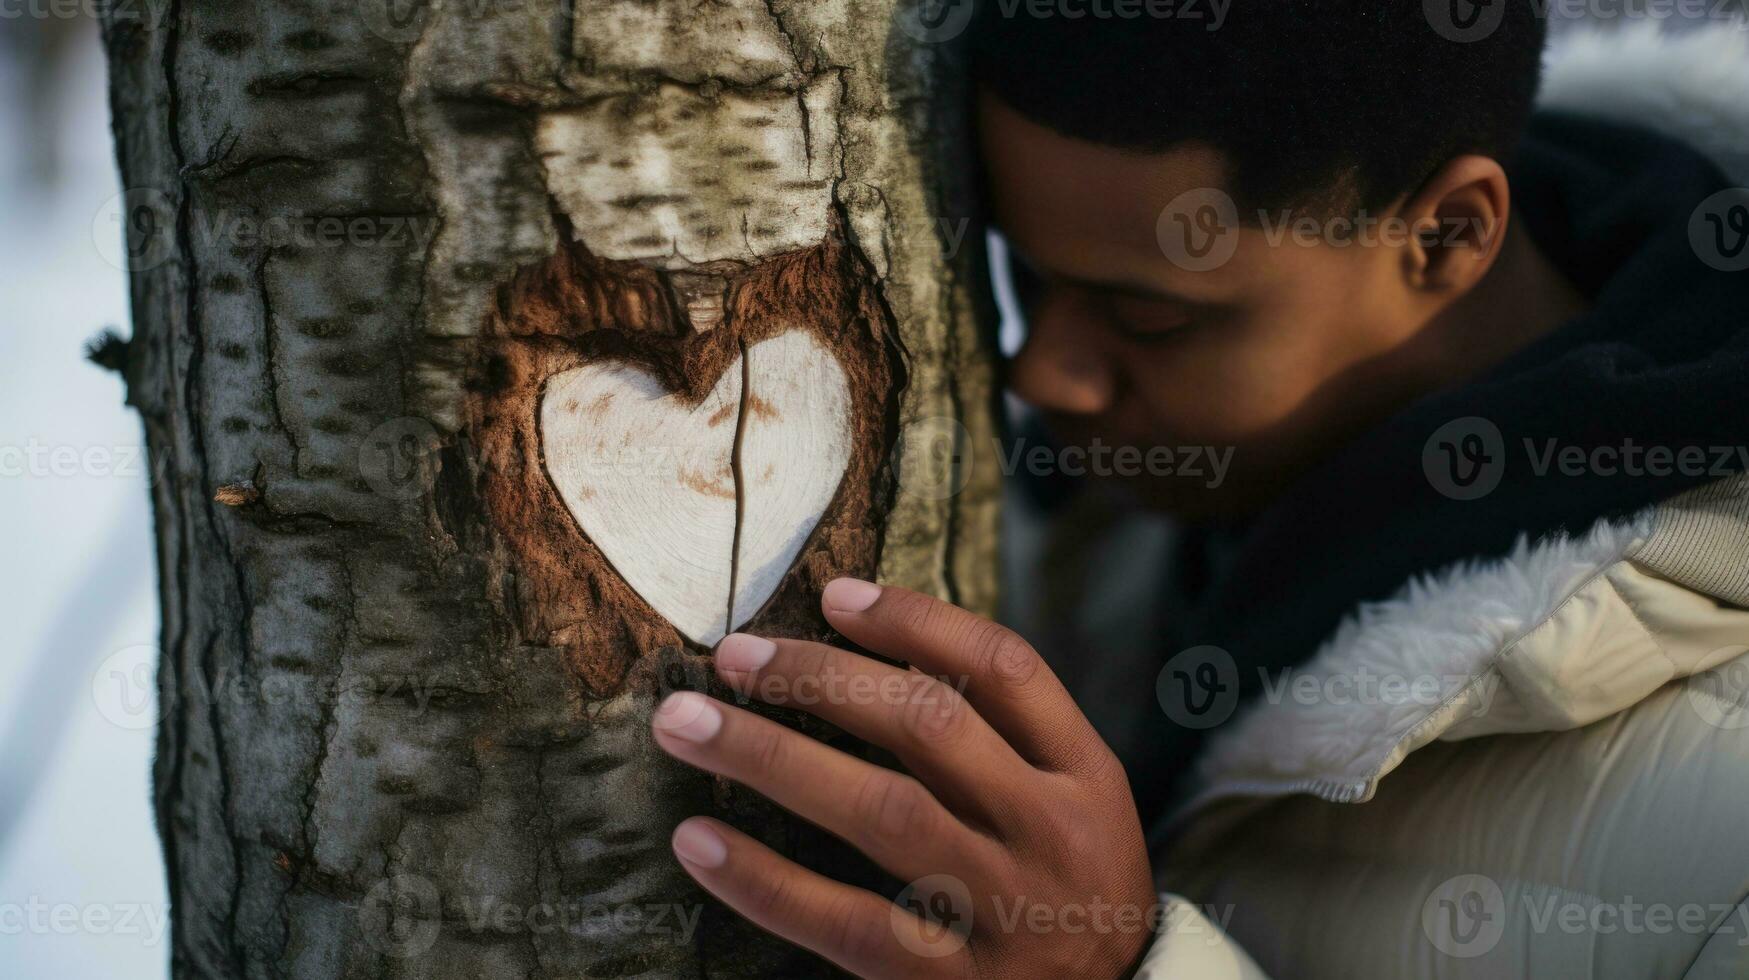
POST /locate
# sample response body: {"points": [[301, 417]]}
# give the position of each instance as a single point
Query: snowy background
{"points": [[82, 889]]}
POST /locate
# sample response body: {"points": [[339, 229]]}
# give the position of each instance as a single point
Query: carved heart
{"points": [[652, 480]]}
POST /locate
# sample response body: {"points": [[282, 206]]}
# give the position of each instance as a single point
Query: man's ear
{"points": [[1457, 223]]}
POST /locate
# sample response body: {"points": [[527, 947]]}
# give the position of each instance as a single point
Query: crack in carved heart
{"points": [[701, 508]]}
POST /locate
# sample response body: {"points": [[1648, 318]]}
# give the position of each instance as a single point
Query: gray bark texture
{"points": [[406, 700]]}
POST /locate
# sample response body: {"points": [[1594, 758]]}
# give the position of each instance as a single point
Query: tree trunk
{"points": [[496, 356]]}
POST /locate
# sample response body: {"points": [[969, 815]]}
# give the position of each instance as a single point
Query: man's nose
{"points": [[1059, 368]]}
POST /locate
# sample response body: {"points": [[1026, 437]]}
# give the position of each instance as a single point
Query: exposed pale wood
{"points": [[652, 480], [678, 178], [794, 449]]}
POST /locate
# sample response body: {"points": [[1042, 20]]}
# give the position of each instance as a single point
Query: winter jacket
{"points": [[1531, 765]]}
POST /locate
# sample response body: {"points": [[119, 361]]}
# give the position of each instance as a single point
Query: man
{"points": [[1454, 692]]}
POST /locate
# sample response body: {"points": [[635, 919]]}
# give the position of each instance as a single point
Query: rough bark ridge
{"points": [[405, 703]]}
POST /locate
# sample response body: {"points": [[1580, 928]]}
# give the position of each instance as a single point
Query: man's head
{"points": [[1244, 236]]}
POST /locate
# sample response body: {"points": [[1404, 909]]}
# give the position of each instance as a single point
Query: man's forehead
{"points": [[1079, 207]]}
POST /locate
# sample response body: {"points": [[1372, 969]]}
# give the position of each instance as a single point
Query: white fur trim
{"points": [[1400, 673], [1691, 85], [1446, 631]]}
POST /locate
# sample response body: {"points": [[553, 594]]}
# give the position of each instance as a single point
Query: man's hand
{"points": [[1015, 827]]}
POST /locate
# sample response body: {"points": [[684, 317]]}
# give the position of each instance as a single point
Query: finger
{"points": [[884, 814], [930, 727], [1006, 680], [855, 929]]}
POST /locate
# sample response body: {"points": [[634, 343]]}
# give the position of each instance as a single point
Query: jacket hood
{"points": [[1428, 544], [1555, 635]]}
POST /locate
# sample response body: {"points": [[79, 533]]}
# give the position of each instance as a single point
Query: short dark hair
{"points": [[1334, 105]]}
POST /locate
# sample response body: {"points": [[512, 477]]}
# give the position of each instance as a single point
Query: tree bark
{"points": [[406, 692]]}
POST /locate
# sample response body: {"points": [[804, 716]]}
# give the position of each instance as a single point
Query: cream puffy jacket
{"points": [[1536, 767]]}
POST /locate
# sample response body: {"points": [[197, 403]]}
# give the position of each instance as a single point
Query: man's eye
{"points": [[1144, 326], [1151, 334]]}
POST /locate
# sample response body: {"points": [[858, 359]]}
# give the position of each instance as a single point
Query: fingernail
{"points": [[688, 715], [850, 595], [695, 842], [744, 653]]}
